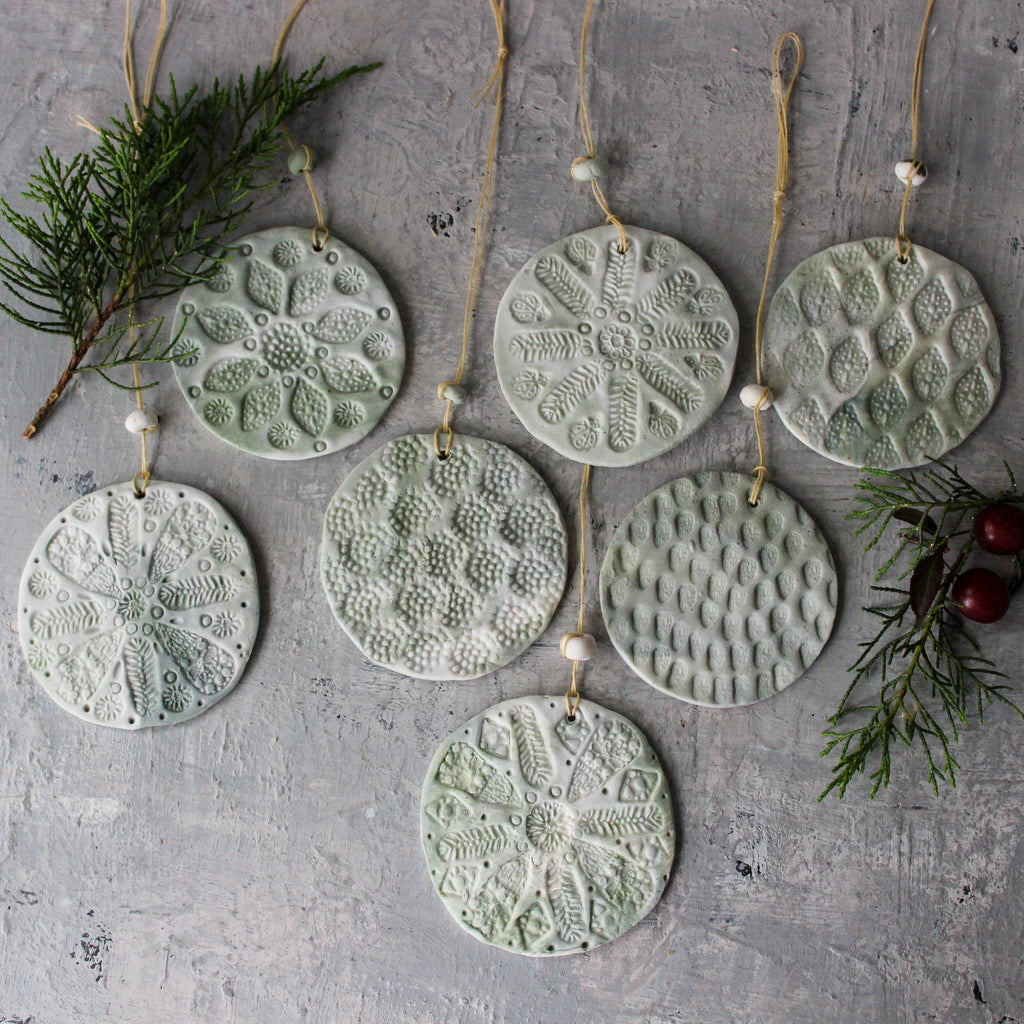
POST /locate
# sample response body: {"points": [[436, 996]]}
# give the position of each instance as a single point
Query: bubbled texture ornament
{"points": [[139, 611], [297, 353], [879, 363], [612, 358], [713, 601], [443, 568], [545, 836]]}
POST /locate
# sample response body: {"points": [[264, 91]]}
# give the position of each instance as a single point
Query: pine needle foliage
{"points": [[919, 676], [143, 214]]}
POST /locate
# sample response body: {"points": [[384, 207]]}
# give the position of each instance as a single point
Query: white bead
{"points": [[141, 420], [300, 159], [578, 648], [454, 393], [750, 395], [591, 169], [906, 168]]}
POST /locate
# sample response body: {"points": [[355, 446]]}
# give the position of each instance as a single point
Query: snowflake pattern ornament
{"points": [[294, 352], [714, 601], [545, 836], [443, 568], [614, 357], [139, 611], [877, 362]]}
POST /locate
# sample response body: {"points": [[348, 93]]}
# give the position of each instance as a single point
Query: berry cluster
{"points": [[981, 594]]}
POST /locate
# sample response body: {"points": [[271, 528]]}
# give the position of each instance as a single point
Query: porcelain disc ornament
{"points": [[545, 836], [879, 363], [139, 611], [612, 358], [443, 569], [297, 353], [715, 602]]}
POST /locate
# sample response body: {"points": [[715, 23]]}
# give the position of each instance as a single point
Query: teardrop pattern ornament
{"points": [[553, 861], [874, 362], [137, 612], [735, 602], [295, 353], [612, 358]]}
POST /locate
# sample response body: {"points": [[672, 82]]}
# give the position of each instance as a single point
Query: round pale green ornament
{"points": [[443, 568], [712, 600], [139, 611], [546, 836], [293, 352], [614, 357], [877, 362]]}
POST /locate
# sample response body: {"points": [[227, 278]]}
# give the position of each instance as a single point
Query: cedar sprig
{"points": [[918, 677], [143, 214]]}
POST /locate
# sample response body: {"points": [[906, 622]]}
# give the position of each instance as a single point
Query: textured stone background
{"points": [[262, 863]]}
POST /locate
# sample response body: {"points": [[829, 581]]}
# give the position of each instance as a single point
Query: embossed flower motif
{"points": [[221, 279], [218, 412], [225, 549], [623, 348], [552, 855], [86, 509], [226, 624], [282, 435], [157, 502], [287, 252], [378, 346], [127, 598], [350, 280], [42, 584], [348, 414], [107, 708], [177, 696]]}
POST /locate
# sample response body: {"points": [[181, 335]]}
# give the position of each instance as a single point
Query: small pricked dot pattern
{"points": [[878, 363], [443, 569], [715, 602]]}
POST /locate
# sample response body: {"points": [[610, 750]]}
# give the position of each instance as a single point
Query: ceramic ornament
{"points": [[443, 568], [612, 358], [297, 353], [138, 612], [874, 362], [545, 836], [712, 600]]}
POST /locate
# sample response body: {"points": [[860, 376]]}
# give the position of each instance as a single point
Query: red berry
{"points": [[999, 529], [980, 595]]}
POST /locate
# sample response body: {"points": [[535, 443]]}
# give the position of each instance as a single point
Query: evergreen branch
{"points": [[922, 660], [144, 214]]}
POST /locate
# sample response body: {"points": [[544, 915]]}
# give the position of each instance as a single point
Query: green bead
{"points": [[300, 159]]}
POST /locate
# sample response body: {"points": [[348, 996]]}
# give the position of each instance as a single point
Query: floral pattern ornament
{"points": [[612, 358], [443, 569], [544, 836], [290, 353], [145, 612]]}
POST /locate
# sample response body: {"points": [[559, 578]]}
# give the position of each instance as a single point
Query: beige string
{"points": [[495, 84], [572, 695], [902, 241], [782, 93], [141, 479], [320, 232], [588, 135]]}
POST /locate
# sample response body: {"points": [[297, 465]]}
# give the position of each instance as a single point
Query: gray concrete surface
{"points": [[261, 864]]}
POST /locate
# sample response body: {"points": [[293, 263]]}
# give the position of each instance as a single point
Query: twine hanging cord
{"points": [[445, 434], [141, 479], [902, 241], [588, 135], [320, 232], [782, 91], [572, 695]]}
